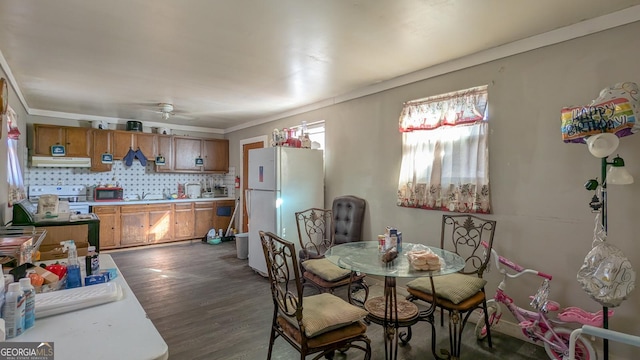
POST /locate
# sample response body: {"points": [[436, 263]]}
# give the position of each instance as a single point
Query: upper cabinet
{"points": [[75, 140], [182, 154], [101, 143], [188, 152], [123, 141]]}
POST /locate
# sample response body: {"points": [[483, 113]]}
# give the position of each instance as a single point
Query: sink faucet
{"points": [[144, 195]]}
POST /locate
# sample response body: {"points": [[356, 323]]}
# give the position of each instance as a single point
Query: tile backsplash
{"points": [[133, 179]]}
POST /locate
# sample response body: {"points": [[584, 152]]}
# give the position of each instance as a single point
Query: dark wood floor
{"points": [[208, 304]]}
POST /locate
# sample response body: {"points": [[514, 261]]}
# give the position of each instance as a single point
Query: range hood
{"points": [[60, 161]]}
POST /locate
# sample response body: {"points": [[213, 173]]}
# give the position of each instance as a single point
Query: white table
{"points": [[115, 330]]}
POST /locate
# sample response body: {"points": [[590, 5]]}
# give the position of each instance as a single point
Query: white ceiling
{"points": [[227, 64]]}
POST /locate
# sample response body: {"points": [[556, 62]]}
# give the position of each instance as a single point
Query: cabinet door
{"points": [[204, 212], [216, 155], [160, 222], [101, 142], [77, 141], [109, 235], [123, 141], [224, 211], [45, 136], [134, 224], [147, 143], [183, 221], [164, 149], [185, 151]]}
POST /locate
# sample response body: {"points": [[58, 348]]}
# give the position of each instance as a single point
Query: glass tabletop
{"points": [[364, 256]]}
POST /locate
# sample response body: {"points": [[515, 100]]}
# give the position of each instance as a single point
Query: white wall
{"points": [[538, 198]]}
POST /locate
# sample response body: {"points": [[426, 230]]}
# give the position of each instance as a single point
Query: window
{"points": [[14, 173], [445, 154], [315, 131]]}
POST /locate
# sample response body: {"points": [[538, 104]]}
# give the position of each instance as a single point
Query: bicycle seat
{"points": [[576, 314]]}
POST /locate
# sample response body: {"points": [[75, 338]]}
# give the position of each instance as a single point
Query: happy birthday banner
{"points": [[616, 111]]}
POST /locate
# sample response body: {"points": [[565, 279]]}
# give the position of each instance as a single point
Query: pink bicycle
{"points": [[535, 324]]}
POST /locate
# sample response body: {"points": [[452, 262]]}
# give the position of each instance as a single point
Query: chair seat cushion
{"points": [[326, 269], [453, 287], [325, 312]]}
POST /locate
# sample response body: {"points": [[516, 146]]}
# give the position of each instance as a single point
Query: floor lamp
{"points": [[602, 146]]}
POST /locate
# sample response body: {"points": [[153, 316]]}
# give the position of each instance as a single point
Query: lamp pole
{"points": [[605, 310]]}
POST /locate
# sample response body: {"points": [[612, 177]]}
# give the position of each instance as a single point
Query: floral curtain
{"points": [[14, 172], [445, 155]]}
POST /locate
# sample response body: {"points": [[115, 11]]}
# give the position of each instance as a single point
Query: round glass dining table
{"points": [[387, 310]]}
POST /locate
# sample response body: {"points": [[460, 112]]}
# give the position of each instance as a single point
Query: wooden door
{"points": [[78, 141], [147, 143], [45, 136], [101, 143], [204, 213], [245, 183], [183, 227], [185, 151], [109, 235], [160, 223], [164, 149], [216, 155], [134, 224], [123, 141]]}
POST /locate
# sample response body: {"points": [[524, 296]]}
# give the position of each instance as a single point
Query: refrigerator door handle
{"points": [[247, 199]]}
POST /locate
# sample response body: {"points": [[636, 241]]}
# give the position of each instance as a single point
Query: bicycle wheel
{"points": [[584, 349], [493, 310]]}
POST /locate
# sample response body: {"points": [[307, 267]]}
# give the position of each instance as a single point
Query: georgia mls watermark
{"points": [[26, 350]]}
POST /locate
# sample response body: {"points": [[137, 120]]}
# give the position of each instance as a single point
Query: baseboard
{"points": [[512, 329]]}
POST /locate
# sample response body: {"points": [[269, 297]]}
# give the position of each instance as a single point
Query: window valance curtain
{"points": [[454, 108], [445, 155], [14, 172]]}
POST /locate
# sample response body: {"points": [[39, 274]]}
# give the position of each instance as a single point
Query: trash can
{"points": [[242, 245]]}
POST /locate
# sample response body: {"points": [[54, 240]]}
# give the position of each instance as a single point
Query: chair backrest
{"points": [[314, 231], [280, 256], [348, 217], [463, 235]]}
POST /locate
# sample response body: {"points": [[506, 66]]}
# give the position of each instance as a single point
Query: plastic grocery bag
{"points": [[606, 275]]}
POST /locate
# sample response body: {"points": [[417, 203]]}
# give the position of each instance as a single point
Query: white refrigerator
{"points": [[282, 181]]}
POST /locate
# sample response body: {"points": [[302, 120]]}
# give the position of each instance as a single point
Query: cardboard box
{"points": [[55, 252]]}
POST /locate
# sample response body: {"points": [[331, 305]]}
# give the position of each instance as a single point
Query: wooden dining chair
{"points": [[316, 230], [460, 293], [317, 324]]}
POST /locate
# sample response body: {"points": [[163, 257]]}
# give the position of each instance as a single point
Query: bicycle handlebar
{"points": [[510, 264]]}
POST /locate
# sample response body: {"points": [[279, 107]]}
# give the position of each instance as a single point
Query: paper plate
{"points": [[602, 145]]}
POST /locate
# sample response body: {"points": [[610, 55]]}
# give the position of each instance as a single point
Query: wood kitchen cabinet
{"points": [[204, 213], [216, 155], [76, 140], [109, 226], [125, 140], [160, 223], [134, 224], [165, 144], [185, 152], [101, 142], [184, 221]]}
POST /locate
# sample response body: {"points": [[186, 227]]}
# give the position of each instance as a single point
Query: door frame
{"points": [[243, 177]]}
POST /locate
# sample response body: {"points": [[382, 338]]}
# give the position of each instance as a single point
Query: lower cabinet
{"points": [[109, 225], [184, 218], [134, 225]]}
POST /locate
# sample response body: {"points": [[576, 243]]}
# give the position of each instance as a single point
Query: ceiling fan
{"points": [[166, 110]]}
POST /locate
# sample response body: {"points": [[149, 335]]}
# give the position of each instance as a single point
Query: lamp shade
{"points": [[618, 174], [602, 145]]}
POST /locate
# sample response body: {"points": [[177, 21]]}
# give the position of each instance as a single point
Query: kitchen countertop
{"points": [[147, 202]]}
